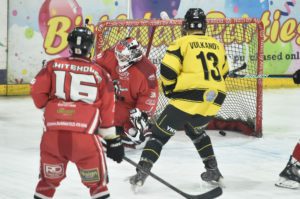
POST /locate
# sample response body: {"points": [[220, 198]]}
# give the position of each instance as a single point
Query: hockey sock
{"points": [[201, 141], [296, 153], [153, 147]]}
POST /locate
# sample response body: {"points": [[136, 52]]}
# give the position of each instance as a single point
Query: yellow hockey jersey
{"points": [[194, 68]]}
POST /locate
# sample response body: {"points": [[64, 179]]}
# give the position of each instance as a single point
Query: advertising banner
{"points": [[38, 30]]}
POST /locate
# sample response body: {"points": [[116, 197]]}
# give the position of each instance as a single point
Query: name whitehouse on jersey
{"points": [[76, 68]]}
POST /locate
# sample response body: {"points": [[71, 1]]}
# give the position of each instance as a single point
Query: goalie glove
{"points": [[133, 137], [139, 120]]}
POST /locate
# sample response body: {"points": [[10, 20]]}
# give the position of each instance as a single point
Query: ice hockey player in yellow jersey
{"points": [[192, 73]]}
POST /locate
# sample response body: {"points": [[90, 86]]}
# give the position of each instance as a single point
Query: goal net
{"points": [[243, 41]]}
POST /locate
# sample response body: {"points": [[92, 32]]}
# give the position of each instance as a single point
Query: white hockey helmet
{"points": [[128, 51]]}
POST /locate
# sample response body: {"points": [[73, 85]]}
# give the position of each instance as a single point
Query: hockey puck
{"points": [[223, 133]]}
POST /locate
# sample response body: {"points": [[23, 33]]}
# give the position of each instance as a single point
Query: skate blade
{"points": [[219, 183], [137, 187], [286, 183]]}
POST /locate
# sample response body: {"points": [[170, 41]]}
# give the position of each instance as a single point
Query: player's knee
{"points": [[160, 134], [48, 185], [195, 134]]}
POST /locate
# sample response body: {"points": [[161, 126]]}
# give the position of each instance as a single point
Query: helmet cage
{"points": [[128, 52]]}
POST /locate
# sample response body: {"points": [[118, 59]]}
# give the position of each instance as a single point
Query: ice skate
{"points": [[212, 173], [139, 178], [290, 176]]}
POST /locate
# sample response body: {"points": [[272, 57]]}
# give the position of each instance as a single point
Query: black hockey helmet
{"points": [[80, 41], [194, 19]]}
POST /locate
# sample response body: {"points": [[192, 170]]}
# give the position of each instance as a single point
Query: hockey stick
{"points": [[207, 195], [234, 71], [295, 76]]}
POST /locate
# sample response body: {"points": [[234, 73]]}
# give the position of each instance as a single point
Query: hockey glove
{"points": [[115, 149], [139, 120], [134, 137], [296, 77]]}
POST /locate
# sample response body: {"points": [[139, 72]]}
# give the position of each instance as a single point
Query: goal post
{"points": [[243, 41]]}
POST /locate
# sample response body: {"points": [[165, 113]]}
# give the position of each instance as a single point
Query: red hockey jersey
{"points": [[76, 93], [137, 87]]}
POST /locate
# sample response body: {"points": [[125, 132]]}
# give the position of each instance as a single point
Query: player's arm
{"points": [[106, 60], [107, 108], [147, 92], [41, 87], [170, 67], [147, 97]]}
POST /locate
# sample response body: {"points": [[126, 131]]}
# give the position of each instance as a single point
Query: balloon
{"points": [[29, 33], [251, 8], [52, 8], [276, 61], [140, 7]]}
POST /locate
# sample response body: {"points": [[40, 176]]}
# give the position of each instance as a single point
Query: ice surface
{"points": [[250, 165]]}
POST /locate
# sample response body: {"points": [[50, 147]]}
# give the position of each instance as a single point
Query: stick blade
{"points": [[214, 193]]}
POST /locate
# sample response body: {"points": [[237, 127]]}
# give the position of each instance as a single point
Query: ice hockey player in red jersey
{"points": [[136, 89], [78, 101], [290, 176]]}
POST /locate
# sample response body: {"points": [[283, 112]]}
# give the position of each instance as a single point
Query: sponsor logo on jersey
{"points": [[65, 111], [150, 102], [170, 129], [123, 75], [66, 104], [99, 55], [89, 175], [152, 77], [67, 124], [152, 95], [52, 171], [210, 95]]}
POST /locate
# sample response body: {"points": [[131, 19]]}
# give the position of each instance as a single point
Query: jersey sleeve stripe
{"points": [[220, 98], [176, 53], [167, 72]]}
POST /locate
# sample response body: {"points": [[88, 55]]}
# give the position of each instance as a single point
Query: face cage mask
{"points": [[125, 61]]}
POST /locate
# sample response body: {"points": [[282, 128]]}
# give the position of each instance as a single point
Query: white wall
{"points": [[3, 34]]}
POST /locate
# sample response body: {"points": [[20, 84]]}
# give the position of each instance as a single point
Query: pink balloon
{"points": [[235, 9], [14, 12], [52, 8]]}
